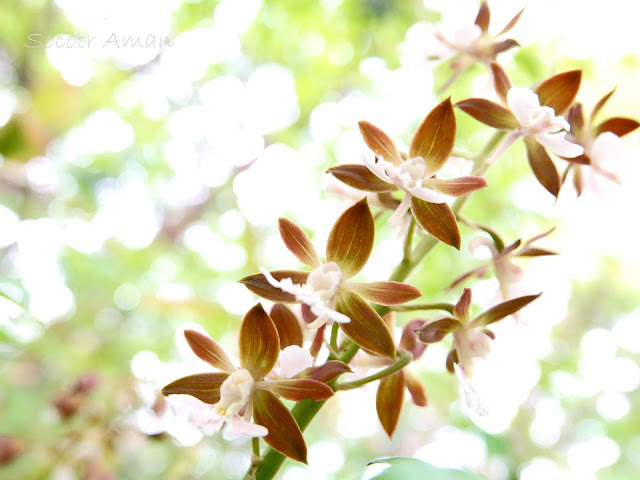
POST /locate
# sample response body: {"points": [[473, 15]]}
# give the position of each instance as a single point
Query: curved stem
{"points": [[447, 307], [404, 358]]}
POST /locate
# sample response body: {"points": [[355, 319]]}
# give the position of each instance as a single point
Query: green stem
{"points": [[334, 337], [408, 241], [403, 359], [447, 307]]}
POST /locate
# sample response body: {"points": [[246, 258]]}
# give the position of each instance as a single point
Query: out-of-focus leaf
{"points": [[386, 293], [618, 125], [298, 243], [389, 401], [436, 330], [559, 91], [503, 310], [208, 350], [298, 388], [360, 177], [284, 433], [379, 142], [288, 326], [543, 167], [204, 386], [435, 137], [488, 112], [405, 468], [366, 328], [258, 343], [438, 220], [258, 284], [351, 239]]}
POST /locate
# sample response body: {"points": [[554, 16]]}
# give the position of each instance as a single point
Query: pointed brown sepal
{"points": [[298, 243], [360, 177], [536, 252], [501, 81], [389, 401], [297, 389], [258, 343], [618, 125], [409, 339], [488, 112], [483, 18], [436, 330], [379, 142], [203, 386], [503, 310], [601, 103], [208, 350], [416, 389], [366, 327], [288, 326], [559, 91], [284, 433], [386, 293], [461, 310], [318, 341], [477, 272], [260, 286], [578, 180], [575, 117], [326, 372], [452, 357], [438, 220], [351, 239], [503, 46], [458, 187], [435, 137], [543, 167], [512, 23]]}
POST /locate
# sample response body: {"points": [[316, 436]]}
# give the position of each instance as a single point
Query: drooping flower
{"points": [[236, 395], [327, 291], [430, 149], [471, 338], [602, 143], [536, 116]]}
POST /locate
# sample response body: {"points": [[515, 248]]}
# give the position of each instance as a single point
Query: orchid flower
{"points": [[327, 291], [536, 116], [602, 143], [430, 149], [506, 271], [471, 338], [238, 394]]}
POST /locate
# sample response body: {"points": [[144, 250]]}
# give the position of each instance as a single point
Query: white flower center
{"points": [[412, 172], [324, 281], [235, 392]]}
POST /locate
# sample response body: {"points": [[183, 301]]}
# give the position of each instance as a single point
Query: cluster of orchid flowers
{"points": [[273, 361]]}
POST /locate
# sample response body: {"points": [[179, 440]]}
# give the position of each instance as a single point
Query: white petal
{"points": [[293, 360], [523, 103], [472, 399], [427, 194], [286, 284], [556, 143], [605, 148], [483, 242], [378, 168], [236, 427], [398, 215]]}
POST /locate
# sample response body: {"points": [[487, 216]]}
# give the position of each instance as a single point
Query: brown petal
{"points": [[488, 112], [598, 106], [259, 285], [512, 23], [503, 46], [543, 167], [477, 272], [288, 326], [318, 341], [578, 180], [351, 239], [575, 117], [452, 357], [204, 386], [298, 388], [416, 389], [379, 142], [458, 187], [258, 343], [503, 310], [284, 435], [559, 91], [484, 17], [366, 327], [389, 401], [501, 81], [435, 136], [360, 177], [536, 252], [461, 310], [438, 220], [298, 243], [579, 160], [436, 330], [618, 125], [497, 241], [326, 372], [208, 350], [409, 339], [386, 293]]}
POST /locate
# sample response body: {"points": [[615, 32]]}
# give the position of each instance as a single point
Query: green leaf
{"points": [[405, 468]]}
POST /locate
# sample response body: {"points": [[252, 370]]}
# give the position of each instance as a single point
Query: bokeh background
{"points": [[137, 185]]}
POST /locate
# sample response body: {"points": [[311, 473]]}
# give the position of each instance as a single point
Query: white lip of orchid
{"points": [[458, 39], [474, 401], [293, 360], [548, 128], [470, 344], [235, 392], [327, 281]]}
